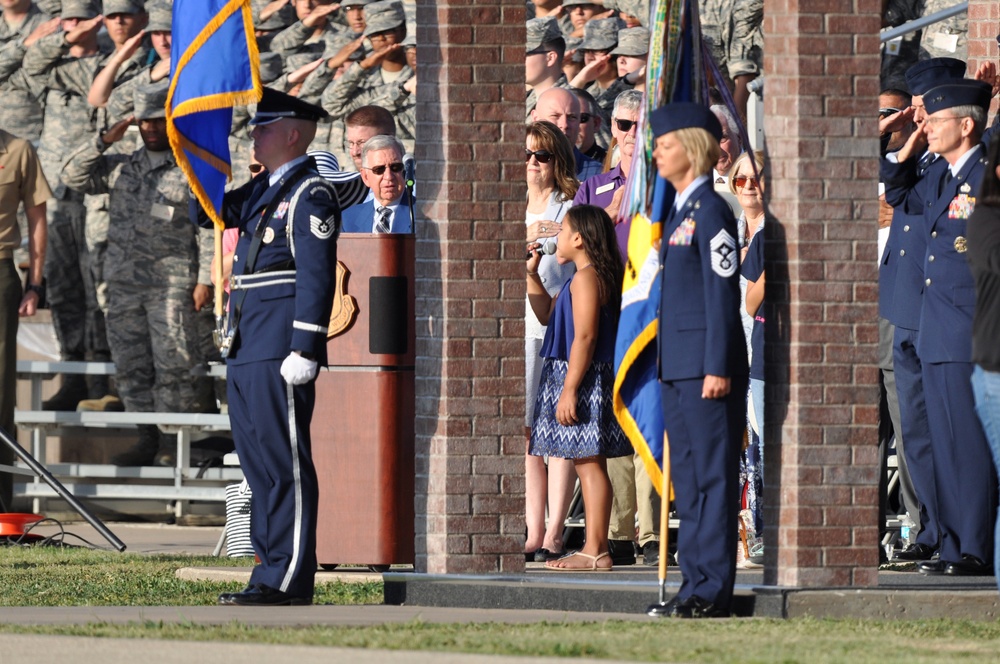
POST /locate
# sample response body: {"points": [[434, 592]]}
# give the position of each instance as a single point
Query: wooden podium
{"points": [[362, 427]]}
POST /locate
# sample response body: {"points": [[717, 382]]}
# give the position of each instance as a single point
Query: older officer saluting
{"points": [[963, 473], [702, 359], [282, 293]]}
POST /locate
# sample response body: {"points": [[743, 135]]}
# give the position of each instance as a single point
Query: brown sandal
{"points": [[593, 563]]}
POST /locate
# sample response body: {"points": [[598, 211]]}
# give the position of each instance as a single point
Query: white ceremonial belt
{"points": [[247, 281], [309, 327]]}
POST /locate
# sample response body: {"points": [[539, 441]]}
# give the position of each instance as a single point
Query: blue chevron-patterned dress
{"points": [[597, 431]]}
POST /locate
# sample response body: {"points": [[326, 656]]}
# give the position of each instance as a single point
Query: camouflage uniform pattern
{"points": [[154, 259], [20, 99], [947, 38], [898, 57], [360, 87]]}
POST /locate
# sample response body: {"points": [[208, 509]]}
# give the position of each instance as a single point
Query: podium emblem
{"points": [[345, 307]]}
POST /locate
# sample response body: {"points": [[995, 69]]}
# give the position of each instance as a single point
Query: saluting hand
{"points": [[43, 30], [84, 28], [376, 58], [344, 54], [117, 130]]}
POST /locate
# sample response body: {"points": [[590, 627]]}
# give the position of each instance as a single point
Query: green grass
{"points": [[49, 576], [749, 640]]}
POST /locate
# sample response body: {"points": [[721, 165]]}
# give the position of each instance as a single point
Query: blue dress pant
{"points": [[270, 421], [963, 465], [705, 436]]}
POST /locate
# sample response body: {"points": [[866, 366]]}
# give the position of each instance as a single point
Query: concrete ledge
{"points": [[242, 574]]}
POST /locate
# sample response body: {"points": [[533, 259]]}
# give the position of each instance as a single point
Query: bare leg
{"points": [[535, 488], [596, 488], [562, 479]]}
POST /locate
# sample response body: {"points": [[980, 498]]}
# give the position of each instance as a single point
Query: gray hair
{"points": [[381, 142], [630, 100], [727, 119], [976, 113]]}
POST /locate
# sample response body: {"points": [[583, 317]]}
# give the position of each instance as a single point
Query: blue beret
{"points": [[274, 106], [964, 92], [684, 115], [928, 74]]}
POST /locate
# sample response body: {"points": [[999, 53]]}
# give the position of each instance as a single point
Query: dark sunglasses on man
{"points": [[625, 126], [395, 167], [542, 156], [883, 113]]}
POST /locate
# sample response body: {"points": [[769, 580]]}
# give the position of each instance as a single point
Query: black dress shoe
{"points": [[696, 607], [931, 567], [665, 610], [968, 566], [544, 555], [261, 595], [651, 554], [622, 552], [227, 598], [914, 552]]}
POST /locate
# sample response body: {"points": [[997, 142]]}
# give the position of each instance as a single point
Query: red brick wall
{"points": [[984, 26], [821, 83], [470, 287]]}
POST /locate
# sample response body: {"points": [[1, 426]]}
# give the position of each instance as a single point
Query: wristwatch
{"points": [[38, 289]]}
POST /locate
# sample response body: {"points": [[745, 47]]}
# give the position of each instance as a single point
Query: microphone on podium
{"points": [[409, 168]]}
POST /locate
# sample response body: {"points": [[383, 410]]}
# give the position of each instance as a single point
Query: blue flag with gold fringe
{"points": [[214, 65], [673, 73]]}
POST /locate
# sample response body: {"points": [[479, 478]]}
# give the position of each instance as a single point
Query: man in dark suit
{"points": [[963, 470], [702, 359], [282, 293], [390, 209]]}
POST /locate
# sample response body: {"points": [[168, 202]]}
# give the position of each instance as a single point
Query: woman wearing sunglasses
{"points": [[549, 170], [745, 182]]}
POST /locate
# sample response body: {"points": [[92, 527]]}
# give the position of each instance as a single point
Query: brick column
{"points": [[821, 498], [984, 26], [470, 287]]}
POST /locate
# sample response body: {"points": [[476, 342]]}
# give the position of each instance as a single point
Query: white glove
{"points": [[297, 370]]}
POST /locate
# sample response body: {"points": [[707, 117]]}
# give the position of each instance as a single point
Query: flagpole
{"points": [[660, 607]]}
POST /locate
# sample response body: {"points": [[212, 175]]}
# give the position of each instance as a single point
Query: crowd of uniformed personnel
{"points": [[78, 78]]}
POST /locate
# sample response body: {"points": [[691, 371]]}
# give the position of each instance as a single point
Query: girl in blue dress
{"points": [[573, 417]]}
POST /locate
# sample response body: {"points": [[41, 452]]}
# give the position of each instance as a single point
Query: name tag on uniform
{"points": [[961, 206], [161, 211], [604, 187], [683, 234]]}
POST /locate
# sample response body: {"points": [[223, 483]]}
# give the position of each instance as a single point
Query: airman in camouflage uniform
{"points": [[158, 268], [543, 37], [20, 100], [947, 38], [72, 295], [382, 78]]}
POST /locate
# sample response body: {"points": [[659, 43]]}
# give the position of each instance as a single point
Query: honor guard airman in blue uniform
{"points": [[282, 294], [963, 470], [901, 288], [702, 359]]}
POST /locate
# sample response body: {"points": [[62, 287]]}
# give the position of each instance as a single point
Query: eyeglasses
{"points": [[585, 117], [395, 167], [935, 121], [742, 180], [625, 125], [543, 156], [886, 112], [256, 168]]}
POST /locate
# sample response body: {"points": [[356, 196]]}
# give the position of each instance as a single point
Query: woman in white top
{"points": [[549, 170]]}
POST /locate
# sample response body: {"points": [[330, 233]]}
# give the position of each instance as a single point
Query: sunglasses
{"points": [[742, 180], [625, 125], [585, 117], [256, 168], [886, 112], [542, 156], [395, 167]]}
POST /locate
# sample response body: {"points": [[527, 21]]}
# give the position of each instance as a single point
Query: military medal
{"points": [[961, 206], [268, 235], [282, 209], [965, 188], [961, 246]]}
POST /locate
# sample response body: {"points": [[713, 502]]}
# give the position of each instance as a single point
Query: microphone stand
{"points": [[409, 199]]}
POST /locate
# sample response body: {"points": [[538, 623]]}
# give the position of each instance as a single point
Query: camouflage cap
{"points": [[160, 15], [632, 42], [637, 8], [123, 7], [356, 3], [539, 31], [570, 3], [81, 9], [383, 16], [150, 101], [600, 34], [270, 66]]}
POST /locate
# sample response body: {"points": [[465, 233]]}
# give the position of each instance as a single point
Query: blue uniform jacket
{"points": [[701, 332], [359, 218], [290, 294], [949, 290], [901, 275]]}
